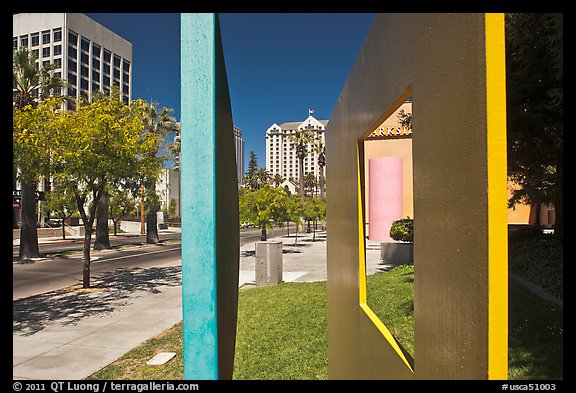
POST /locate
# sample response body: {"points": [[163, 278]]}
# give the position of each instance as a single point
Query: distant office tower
{"points": [[87, 55], [239, 142], [281, 153]]}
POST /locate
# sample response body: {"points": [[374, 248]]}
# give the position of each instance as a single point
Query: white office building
{"points": [[87, 55], [168, 189], [281, 153]]}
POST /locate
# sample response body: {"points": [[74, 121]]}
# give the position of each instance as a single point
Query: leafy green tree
{"points": [[535, 81], [31, 84], [312, 212], [301, 139], [99, 145], [295, 210], [34, 139], [262, 207], [120, 204], [62, 202]]}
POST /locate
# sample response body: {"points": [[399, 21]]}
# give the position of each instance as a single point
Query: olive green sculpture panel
{"points": [[453, 67]]}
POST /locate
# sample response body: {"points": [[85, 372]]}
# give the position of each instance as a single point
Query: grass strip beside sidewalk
{"points": [[282, 333]]}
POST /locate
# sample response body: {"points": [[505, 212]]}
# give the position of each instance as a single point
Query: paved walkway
{"points": [[72, 333]]}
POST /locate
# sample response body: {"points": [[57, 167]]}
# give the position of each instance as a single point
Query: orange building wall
{"points": [[401, 146]]}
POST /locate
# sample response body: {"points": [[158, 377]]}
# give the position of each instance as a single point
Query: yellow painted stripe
{"points": [[361, 245], [497, 197], [362, 276]]}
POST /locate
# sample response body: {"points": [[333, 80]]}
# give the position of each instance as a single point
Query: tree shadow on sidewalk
{"points": [[109, 291]]}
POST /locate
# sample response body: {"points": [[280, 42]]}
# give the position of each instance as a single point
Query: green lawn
{"points": [[282, 333]]}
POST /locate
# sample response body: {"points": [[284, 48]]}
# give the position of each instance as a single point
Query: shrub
{"points": [[403, 230]]}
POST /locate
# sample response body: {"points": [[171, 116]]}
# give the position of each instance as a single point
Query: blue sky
{"points": [[279, 65]]}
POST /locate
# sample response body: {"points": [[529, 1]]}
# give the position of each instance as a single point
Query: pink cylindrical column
{"points": [[385, 199]]}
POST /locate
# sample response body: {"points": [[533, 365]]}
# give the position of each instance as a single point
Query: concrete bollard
{"points": [[268, 263]]}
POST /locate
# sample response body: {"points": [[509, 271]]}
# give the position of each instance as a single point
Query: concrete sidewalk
{"points": [[72, 333]]}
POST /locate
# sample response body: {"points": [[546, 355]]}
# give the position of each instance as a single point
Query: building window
{"points": [[58, 74], [72, 52], [107, 68], [96, 50], [95, 75], [84, 70], [57, 50], [35, 53], [72, 65], [85, 44], [125, 77], [45, 63], [84, 83], [72, 37], [116, 61], [95, 87], [58, 62], [46, 51], [24, 41], [35, 38], [107, 55], [72, 79], [116, 74], [84, 58], [57, 35], [71, 92], [106, 80], [125, 89], [95, 63]]}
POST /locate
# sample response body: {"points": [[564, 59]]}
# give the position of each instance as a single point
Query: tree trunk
{"points": [[115, 227], [263, 234], [28, 231], [88, 221], [14, 215], [322, 183], [142, 213], [301, 174], [152, 227], [559, 204], [314, 233], [102, 241], [151, 218], [86, 257], [288, 229], [63, 230]]}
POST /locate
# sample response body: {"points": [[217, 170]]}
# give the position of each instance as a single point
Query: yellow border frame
{"points": [[362, 271], [497, 196]]}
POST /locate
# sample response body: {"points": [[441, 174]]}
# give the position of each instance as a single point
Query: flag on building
{"points": [[310, 111]]}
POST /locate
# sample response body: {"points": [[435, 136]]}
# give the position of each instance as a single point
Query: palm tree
{"points": [[310, 182], [301, 138], [30, 83], [160, 122], [277, 179], [320, 149]]}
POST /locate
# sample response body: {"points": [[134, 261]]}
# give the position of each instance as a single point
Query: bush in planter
{"points": [[403, 230]]}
